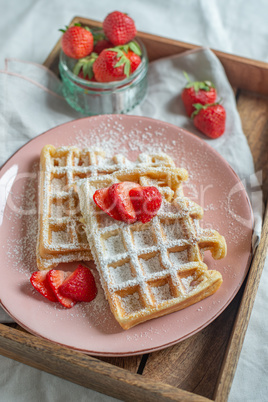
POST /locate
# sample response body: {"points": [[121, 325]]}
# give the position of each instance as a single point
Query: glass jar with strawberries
{"points": [[104, 71]]}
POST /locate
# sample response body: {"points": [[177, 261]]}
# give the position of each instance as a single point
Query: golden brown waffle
{"points": [[61, 236], [149, 270]]}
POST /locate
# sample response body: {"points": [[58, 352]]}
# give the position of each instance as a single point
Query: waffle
{"points": [[149, 270], [61, 237]]}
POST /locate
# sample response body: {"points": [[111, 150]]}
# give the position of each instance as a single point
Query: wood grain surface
{"points": [[202, 367]]}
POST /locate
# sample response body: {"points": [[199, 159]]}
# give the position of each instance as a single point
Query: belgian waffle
{"points": [[61, 236], [149, 270]]}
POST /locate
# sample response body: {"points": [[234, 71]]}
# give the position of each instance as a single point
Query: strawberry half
{"points": [[146, 202], [102, 198], [119, 195], [79, 286], [55, 279], [40, 283]]}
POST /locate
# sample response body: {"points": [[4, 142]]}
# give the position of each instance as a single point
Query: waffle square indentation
{"points": [[179, 256], [58, 183], [161, 291], [173, 229], [143, 238], [113, 244], [59, 208], [131, 303], [60, 235], [80, 176], [81, 235], [59, 161], [151, 264], [121, 273], [189, 280], [81, 160]]}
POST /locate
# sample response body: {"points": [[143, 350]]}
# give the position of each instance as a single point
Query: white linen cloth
{"points": [[31, 103]]}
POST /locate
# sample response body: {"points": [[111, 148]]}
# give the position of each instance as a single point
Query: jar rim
{"points": [[106, 85]]}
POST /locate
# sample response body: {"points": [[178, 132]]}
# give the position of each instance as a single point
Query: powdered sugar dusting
{"points": [[21, 241], [162, 293], [121, 273]]}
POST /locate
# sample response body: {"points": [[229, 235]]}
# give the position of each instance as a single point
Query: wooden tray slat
{"points": [[193, 364], [240, 326], [253, 110], [86, 370]]}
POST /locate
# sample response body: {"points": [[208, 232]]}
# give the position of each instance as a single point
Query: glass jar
{"points": [[94, 98]]}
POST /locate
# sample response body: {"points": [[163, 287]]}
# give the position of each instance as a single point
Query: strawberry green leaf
{"points": [[197, 85], [65, 29], [99, 35], [120, 62], [199, 106], [186, 76], [127, 68], [135, 48], [77, 67], [209, 84], [86, 64]]}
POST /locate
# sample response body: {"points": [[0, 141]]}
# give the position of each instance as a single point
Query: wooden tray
{"points": [[202, 367]]}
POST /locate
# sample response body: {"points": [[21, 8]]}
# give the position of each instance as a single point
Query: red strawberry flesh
{"points": [[56, 279], [119, 194], [79, 286], [40, 283], [105, 203], [146, 202]]}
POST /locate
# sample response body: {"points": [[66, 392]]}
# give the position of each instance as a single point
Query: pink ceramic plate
{"points": [[90, 327]]}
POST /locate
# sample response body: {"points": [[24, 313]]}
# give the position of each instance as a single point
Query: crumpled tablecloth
{"points": [[32, 103]]}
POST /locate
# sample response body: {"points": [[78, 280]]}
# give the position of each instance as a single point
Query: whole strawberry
{"points": [[111, 65], [119, 28], [202, 92], [210, 119], [77, 42]]}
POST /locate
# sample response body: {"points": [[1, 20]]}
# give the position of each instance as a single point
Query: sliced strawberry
{"points": [[146, 202], [40, 283], [102, 199], [56, 278], [136, 197], [119, 194], [80, 285]]}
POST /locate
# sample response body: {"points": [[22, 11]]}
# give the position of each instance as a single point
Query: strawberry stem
{"points": [[197, 85], [86, 64], [199, 106]]}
